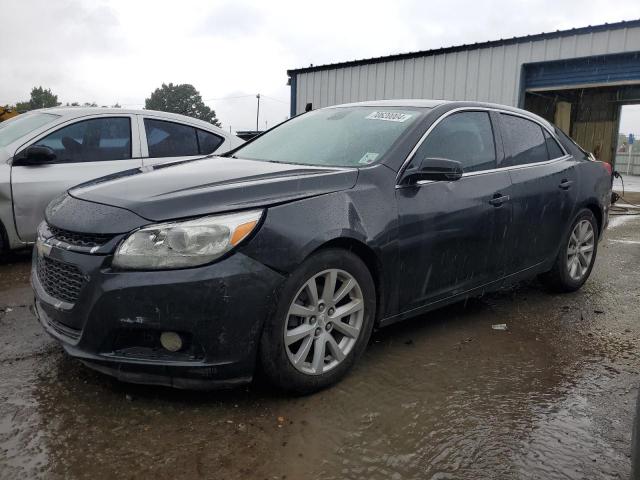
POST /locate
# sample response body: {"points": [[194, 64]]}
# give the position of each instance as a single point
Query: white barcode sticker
{"points": [[389, 116]]}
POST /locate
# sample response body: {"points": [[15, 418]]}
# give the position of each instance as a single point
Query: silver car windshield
{"points": [[11, 130], [342, 137]]}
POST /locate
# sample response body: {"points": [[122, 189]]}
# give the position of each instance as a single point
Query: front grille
{"points": [[88, 240], [60, 280]]}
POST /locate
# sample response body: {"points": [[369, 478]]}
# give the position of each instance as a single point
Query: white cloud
{"points": [[121, 50]]}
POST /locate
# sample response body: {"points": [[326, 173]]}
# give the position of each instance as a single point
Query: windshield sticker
{"points": [[389, 116], [368, 158]]}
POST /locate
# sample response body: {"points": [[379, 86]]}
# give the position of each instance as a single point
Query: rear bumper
{"points": [[114, 324]]}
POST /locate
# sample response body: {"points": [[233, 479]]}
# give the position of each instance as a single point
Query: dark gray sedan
{"points": [[289, 250]]}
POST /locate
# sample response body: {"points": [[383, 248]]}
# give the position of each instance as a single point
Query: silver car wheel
{"points": [[321, 329], [580, 249]]}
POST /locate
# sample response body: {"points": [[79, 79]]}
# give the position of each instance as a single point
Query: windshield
{"points": [[11, 130], [342, 137]]}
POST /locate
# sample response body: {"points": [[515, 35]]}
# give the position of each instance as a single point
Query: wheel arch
{"points": [[597, 213]]}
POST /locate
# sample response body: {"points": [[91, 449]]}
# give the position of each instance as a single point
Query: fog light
{"points": [[171, 341]]}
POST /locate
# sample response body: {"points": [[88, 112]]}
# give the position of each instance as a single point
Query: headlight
{"points": [[185, 244]]}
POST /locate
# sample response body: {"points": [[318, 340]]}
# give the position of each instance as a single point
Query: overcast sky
{"points": [[121, 50]]}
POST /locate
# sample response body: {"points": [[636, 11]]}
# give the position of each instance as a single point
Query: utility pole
{"points": [[257, 112]]}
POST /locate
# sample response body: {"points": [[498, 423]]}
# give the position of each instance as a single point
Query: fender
{"points": [[290, 234]]}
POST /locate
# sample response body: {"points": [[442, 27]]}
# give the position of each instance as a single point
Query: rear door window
{"points": [[523, 140], [169, 139], [552, 146], [208, 142], [466, 137], [95, 140]]}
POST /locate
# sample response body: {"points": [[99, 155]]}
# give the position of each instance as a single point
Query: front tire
{"points": [[322, 323], [577, 255]]}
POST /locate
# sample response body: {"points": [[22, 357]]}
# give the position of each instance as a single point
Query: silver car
{"points": [[45, 152]]}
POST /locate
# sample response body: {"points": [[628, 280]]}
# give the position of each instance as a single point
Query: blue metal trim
{"points": [[294, 94], [594, 69]]}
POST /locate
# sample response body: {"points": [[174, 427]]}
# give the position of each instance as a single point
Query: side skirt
{"points": [[474, 292]]}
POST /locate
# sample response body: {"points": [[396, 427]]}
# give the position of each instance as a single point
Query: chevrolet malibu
{"points": [[284, 254]]}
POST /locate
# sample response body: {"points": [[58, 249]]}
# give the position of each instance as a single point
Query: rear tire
{"points": [[577, 255], [322, 323]]}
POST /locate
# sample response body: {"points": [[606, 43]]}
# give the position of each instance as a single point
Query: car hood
{"points": [[211, 185]]}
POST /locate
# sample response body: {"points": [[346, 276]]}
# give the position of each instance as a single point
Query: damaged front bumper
{"points": [[112, 320]]}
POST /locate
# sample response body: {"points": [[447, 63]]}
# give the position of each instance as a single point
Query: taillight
{"points": [[607, 167]]}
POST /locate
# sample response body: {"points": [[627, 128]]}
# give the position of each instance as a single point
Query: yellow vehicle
{"points": [[7, 112]]}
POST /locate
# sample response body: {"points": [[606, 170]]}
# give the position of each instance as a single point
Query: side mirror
{"points": [[35, 155], [435, 169]]}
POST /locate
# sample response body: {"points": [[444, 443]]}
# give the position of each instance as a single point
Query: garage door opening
{"points": [[590, 115], [584, 96]]}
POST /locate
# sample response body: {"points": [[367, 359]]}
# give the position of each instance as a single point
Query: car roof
{"points": [[76, 112], [395, 103], [428, 103]]}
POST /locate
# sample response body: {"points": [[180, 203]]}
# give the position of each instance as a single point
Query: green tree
{"points": [[183, 99], [40, 98]]}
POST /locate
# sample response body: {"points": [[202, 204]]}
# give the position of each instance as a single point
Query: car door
{"points": [[452, 233], [544, 190], [166, 141], [85, 149]]}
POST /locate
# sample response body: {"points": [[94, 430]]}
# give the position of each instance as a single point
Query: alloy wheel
{"points": [[580, 249], [324, 321]]}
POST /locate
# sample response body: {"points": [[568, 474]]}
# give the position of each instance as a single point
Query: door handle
{"points": [[498, 199], [565, 184]]}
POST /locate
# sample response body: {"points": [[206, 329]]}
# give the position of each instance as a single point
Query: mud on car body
{"points": [[286, 252]]}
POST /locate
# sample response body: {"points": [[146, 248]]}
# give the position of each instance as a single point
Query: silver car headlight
{"points": [[185, 244]]}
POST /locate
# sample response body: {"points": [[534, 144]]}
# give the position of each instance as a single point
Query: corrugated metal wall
{"points": [[490, 74]]}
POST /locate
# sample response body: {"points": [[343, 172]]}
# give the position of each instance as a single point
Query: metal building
{"points": [[576, 78]]}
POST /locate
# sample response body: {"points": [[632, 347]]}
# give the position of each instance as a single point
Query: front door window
{"points": [[95, 140]]}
